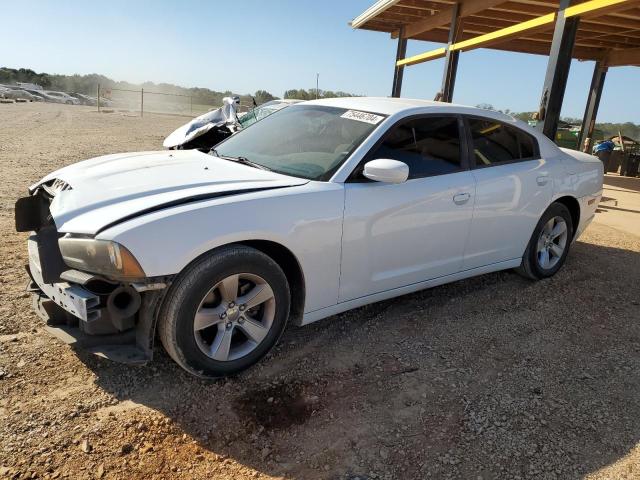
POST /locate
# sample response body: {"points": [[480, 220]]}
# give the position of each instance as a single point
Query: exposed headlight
{"points": [[100, 256]]}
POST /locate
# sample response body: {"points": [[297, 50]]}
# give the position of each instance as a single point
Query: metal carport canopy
{"points": [[609, 30]]}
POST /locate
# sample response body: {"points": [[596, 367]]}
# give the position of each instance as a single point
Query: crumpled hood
{"points": [[104, 190]]}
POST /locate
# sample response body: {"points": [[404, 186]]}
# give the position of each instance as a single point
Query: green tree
{"points": [[311, 94], [262, 96]]}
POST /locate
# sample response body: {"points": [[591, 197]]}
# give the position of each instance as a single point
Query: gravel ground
{"points": [[492, 377]]}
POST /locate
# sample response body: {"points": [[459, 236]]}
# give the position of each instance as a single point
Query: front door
{"points": [[396, 235]]}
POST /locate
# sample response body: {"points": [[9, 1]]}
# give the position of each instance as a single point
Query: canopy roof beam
{"points": [[451, 58], [616, 58], [555, 82], [481, 40], [398, 71], [443, 17], [591, 110]]}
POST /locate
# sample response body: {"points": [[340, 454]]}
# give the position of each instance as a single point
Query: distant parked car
{"points": [[63, 97], [84, 99], [105, 102], [43, 95], [16, 94]]}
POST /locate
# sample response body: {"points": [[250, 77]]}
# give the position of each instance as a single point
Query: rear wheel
{"points": [[225, 312], [549, 244]]}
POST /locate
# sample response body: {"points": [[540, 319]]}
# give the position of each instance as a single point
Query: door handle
{"points": [[461, 198], [542, 180]]}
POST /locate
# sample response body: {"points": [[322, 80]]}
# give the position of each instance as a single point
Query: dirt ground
{"points": [[492, 377]]}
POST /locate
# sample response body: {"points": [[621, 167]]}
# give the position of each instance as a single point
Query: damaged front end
{"points": [[105, 315], [208, 129]]}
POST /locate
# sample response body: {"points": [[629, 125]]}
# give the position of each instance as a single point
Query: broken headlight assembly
{"points": [[103, 257]]}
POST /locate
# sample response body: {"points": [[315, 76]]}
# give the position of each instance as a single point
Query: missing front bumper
{"points": [[80, 318], [75, 314], [134, 346], [120, 347]]}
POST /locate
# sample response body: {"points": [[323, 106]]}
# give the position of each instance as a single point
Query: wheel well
{"points": [[291, 268], [574, 208]]}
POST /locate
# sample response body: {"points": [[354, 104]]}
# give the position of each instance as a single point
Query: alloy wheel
{"points": [[552, 242], [234, 317]]}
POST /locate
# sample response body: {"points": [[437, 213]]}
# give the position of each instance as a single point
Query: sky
{"points": [[247, 45]]}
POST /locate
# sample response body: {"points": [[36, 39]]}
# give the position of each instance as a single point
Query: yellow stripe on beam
{"points": [[590, 6], [505, 32], [423, 57]]}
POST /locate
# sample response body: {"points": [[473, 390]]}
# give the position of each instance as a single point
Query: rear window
{"points": [[497, 143]]}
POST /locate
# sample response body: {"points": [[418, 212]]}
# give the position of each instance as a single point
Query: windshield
{"points": [[308, 141]]}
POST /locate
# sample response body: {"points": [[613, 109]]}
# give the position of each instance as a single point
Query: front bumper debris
{"points": [[81, 319], [74, 299], [120, 347], [110, 319]]}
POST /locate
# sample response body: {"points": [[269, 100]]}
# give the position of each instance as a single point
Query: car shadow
{"points": [[492, 377]]}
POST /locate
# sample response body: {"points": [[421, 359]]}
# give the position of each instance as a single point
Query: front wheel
{"points": [[549, 244], [225, 312]]}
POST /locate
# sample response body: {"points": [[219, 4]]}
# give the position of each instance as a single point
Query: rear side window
{"points": [[429, 146], [496, 143]]}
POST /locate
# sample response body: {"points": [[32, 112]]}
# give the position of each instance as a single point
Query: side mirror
{"points": [[386, 171]]}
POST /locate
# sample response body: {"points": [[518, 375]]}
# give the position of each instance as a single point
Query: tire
{"points": [[239, 337], [533, 261]]}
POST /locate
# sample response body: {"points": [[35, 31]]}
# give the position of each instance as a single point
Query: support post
{"points": [[591, 110], [142, 102], [398, 72], [555, 82], [98, 97], [451, 58]]}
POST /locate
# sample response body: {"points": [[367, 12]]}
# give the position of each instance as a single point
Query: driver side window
{"points": [[429, 146]]}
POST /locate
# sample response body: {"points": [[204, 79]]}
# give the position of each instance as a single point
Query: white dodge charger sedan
{"points": [[319, 208]]}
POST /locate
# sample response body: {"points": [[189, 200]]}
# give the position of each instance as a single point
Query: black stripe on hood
{"points": [[185, 201]]}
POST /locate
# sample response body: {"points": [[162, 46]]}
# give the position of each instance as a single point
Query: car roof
{"points": [[402, 107], [391, 106]]}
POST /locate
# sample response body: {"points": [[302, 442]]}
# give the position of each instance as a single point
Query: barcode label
{"points": [[362, 116]]}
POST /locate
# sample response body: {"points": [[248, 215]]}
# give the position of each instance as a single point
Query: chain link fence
{"points": [[145, 101], [112, 99]]}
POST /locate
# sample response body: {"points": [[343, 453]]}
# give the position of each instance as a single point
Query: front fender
{"points": [[306, 219]]}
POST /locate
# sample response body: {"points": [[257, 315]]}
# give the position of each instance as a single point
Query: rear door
{"points": [[396, 235], [513, 189]]}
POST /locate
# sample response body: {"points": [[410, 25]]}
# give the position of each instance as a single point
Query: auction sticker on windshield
{"points": [[362, 116]]}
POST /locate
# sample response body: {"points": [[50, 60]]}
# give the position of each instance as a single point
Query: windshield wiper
{"points": [[239, 159], [246, 161]]}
